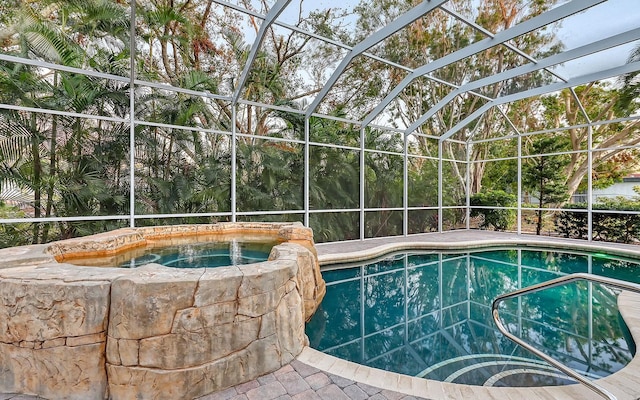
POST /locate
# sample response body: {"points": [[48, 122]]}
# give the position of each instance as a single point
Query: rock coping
{"points": [[152, 332]]}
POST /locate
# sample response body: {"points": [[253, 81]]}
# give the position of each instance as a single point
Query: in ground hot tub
{"points": [[80, 332]]}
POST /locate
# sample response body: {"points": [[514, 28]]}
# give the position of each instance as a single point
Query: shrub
{"points": [[615, 227], [498, 218]]}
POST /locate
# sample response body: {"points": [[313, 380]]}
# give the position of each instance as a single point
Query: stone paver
{"points": [[303, 369], [266, 379], [340, 381], [355, 393], [269, 391], [307, 395], [245, 387], [293, 382], [299, 381], [318, 380], [370, 390], [333, 392]]}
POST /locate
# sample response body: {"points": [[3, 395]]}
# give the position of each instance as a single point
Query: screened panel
{"points": [[384, 140], [422, 221], [68, 93], [453, 183], [269, 176], [216, 103], [423, 182], [334, 178], [542, 221], [335, 226], [43, 31], [63, 166], [185, 176], [492, 175], [329, 131], [164, 221], [26, 232], [421, 145], [383, 223], [453, 218], [383, 180]]}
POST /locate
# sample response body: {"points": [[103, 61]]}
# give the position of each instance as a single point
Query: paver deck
{"points": [[315, 375]]}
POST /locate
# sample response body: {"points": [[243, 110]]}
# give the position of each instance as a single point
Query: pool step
{"points": [[495, 370]]}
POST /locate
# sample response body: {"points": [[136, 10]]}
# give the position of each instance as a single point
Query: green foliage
{"points": [[13, 234], [612, 227], [499, 219], [80, 166], [544, 176]]}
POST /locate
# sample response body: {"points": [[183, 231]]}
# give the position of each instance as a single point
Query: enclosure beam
{"points": [[467, 189], [362, 175], [555, 59], [405, 189], [519, 183], [554, 87], [132, 117], [297, 29], [306, 172], [273, 13], [440, 186], [375, 38], [234, 145], [529, 25]]}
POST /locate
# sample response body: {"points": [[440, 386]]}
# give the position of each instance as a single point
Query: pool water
{"points": [[188, 255], [429, 315]]}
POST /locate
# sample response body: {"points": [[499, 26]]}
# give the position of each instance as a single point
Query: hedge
{"points": [[615, 227]]}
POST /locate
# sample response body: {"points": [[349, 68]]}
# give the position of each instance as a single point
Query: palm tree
{"points": [[45, 148]]}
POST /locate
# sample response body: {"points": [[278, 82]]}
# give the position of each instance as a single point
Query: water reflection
{"points": [[429, 315]]}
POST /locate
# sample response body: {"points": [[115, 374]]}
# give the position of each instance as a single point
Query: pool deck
{"points": [[315, 375]]}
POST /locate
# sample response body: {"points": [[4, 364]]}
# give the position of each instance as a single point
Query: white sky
{"points": [[605, 19]]}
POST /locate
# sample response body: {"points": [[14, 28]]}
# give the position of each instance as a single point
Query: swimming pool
{"points": [[428, 314]]}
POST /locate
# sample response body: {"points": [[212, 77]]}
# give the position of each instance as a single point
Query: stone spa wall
{"points": [[152, 332]]}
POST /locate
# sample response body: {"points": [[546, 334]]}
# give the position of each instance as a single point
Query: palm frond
{"points": [[51, 44]]}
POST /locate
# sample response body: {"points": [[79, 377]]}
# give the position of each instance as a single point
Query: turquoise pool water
{"points": [[188, 255], [203, 255], [429, 315]]}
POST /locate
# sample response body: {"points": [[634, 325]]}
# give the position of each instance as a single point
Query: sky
{"points": [[605, 19]]}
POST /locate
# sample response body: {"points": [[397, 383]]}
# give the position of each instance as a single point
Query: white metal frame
{"points": [[360, 50]]}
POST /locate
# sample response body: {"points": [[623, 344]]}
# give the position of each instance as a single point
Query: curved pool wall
{"points": [[428, 314], [74, 332], [625, 383]]}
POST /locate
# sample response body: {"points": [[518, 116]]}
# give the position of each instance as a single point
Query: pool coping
{"points": [[625, 383]]}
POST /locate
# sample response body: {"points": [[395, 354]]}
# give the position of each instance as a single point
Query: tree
{"points": [[543, 174], [432, 37], [614, 155], [630, 93]]}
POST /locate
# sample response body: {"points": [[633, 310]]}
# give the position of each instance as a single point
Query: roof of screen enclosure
{"points": [[598, 39], [560, 13]]}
